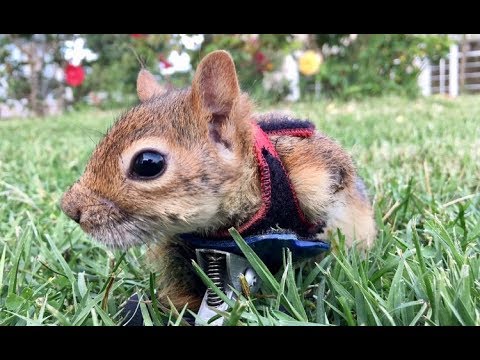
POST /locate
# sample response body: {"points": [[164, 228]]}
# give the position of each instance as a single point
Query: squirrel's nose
{"points": [[71, 207], [75, 214]]}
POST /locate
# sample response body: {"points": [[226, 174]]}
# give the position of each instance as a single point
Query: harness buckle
{"points": [[224, 269]]}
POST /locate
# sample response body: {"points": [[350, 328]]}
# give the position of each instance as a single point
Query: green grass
{"points": [[419, 158]]}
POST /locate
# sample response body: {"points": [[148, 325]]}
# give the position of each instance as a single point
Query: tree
{"points": [[31, 61]]}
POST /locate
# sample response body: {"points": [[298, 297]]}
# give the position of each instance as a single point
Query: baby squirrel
{"points": [[182, 161]]}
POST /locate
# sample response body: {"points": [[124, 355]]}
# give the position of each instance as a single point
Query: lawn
{"points": [[419, 158]]}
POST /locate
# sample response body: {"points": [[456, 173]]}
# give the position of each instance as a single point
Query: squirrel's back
{"points": [[325, 180]]}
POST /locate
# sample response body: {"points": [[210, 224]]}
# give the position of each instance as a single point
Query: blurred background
{"points": [[47, 74], [405, 106]]}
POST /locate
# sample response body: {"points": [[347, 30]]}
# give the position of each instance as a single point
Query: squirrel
{"points": [[182, 161]]}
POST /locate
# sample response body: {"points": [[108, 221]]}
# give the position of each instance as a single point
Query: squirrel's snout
{"points": [[71, 206], [73, 213]]}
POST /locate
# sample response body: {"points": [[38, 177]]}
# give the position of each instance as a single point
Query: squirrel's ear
{"points": [[215, 83], [147, 86]]}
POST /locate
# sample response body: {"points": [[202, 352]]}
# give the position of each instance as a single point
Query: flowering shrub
{"points": [[255, 55], [72, 66], [375, 64]]}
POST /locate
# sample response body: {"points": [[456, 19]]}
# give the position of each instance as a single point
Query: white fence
{"points": [[447, 77]]}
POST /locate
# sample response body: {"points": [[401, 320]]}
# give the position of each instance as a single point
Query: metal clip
{"points": [[224, 269]]}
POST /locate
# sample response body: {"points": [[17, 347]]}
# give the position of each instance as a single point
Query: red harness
{"points": [[280, 222], [280, 207]]}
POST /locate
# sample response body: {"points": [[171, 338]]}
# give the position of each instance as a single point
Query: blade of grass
{"points": [[321, 316], [419, 314], [41, 312], [292, 290], [254, 310], [281, 290], [108, 282], [208, 282], [2, 264], [396, 292], [147, 320], [104, 316], [81, 283], [66, 268], [315, 272], [180, 316], [236, 313], [424, 273], [157, 318], [346, 311], [255, 261], [12, 282], [58, 315], [263, 272], [29, 321]]}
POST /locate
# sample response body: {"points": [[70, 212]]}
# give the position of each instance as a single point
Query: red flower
{"points": [[164, 61], [74, 75], [137, 36], [167, 64], [259, 57], [261, 61]]}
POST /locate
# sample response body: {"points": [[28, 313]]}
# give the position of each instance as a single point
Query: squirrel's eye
{"points": [[147, 165]]}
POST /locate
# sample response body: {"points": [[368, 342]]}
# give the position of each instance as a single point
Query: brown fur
{"points": [[147, 86], [211, 180]]}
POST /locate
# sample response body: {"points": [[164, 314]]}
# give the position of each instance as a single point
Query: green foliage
{"points": [[117, 67], [376, 64], [253, 55], [422, 170], [369, 65]]}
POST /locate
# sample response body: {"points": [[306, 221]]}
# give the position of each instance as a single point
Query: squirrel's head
{"points": [[168, 165]]}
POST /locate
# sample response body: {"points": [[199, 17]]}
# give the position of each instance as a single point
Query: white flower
{"points": [[75, 52], [192, 42], [180, 63]]}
